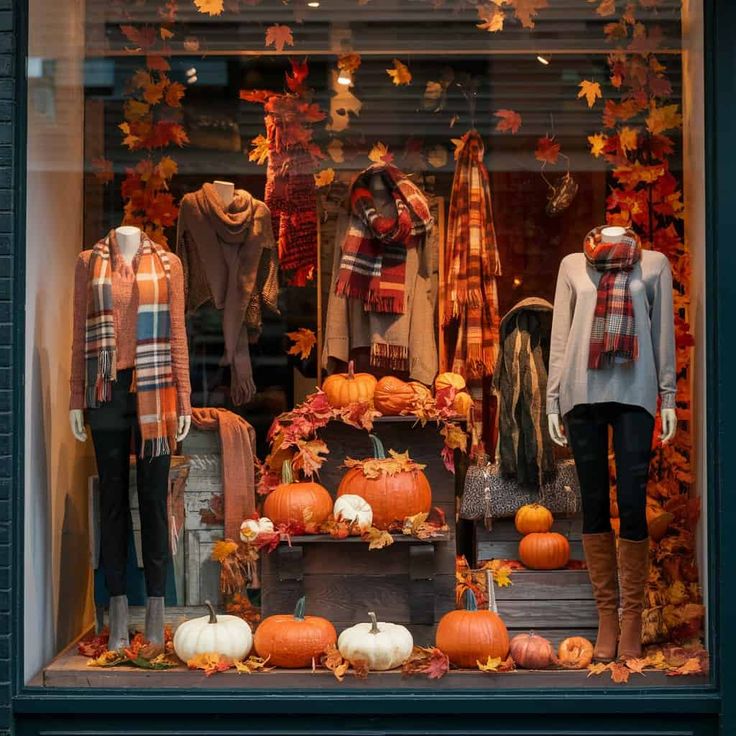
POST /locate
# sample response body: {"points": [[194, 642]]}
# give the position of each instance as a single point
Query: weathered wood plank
{"points": [[569, 585], [531, 614]]}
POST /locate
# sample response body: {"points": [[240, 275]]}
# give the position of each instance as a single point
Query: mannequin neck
{"points": [[129, 241], [225, 190], [612, 234]]}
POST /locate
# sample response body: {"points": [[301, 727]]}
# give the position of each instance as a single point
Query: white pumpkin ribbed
{"points": [[353, 509], [229, 636], [383, 646]]}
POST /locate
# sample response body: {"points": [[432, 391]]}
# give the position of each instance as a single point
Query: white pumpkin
{"points": [[353, 509], [226, 635], [251, 528], [381, 645]]}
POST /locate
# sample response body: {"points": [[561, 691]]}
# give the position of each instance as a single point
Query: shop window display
{"points": [[381, 340]]}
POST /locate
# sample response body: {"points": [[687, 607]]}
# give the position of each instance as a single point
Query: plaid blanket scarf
{"points": [[373, 262], [613, 336], [154, 380], [473, 264]]}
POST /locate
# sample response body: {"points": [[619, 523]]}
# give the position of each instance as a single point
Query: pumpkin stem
{"points": [[351, 370], [301, 604], [287, 472], [374, 623], [213, 615], [471, 604], [379, 451]]}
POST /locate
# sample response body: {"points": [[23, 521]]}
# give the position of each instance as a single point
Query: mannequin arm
{"points": [[669, 425], [76, 421], [556, 431], [183, 427]]}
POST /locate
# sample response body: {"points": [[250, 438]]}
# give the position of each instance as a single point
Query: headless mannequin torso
{"points": [[129, 241], [669, 416], [226, 191]]}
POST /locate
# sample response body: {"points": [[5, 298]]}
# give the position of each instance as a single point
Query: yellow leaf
{"points": [[153, 93], [502, 577], [106, 659], [222, 549], [335, 152], [597, 143], [260, 151], [400, 74], [165, 33], [490, 665], [637, 665], [492, 18], [279, 36], [597, 669], [379, 153], [167, 167], [628, 138], [135, 109], [252, 664], [130, 140], [210, 7], [455, 437], [340, 671], [412, 523], [591, 91], [377, 538], [308, 456], [324, 178], [526, 10], [664, 118], [304, 341]]}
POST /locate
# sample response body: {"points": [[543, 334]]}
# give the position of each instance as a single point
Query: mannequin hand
{"points": [[76, 421], [183, 427], [556, 432], [669, 425]]}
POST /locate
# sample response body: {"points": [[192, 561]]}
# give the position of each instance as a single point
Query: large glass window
{"points": [[365, 338]]}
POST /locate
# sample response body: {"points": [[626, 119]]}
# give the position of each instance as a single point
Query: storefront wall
{"points": [[24, 517]]}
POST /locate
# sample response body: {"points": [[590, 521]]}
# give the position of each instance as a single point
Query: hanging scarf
{"points": [[291, 195], [473, 263], [154, 378], [613, 336], [373, 263]]}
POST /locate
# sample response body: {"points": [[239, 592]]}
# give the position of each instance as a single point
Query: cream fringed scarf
{"points": [[229, 259]]}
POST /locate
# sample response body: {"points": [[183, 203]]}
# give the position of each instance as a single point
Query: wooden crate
{"points": [[411, 582]]}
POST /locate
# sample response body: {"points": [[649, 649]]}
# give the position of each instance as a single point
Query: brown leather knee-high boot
{"points": [[600, 556], [633, 571]]}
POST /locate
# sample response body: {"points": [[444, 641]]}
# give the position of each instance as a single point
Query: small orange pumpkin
{"points": [[533, 517], [544, 551], [293, 641], [471, 636], [449, 380], [531, 651], [349, 388], [392, 396], [575, 653], [290, 502], [392, 496], [462, 404]]}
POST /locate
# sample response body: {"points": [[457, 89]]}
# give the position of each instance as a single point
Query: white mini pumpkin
{"points": [[353, 509], [381, 645], [229, 636], [251, 528]]}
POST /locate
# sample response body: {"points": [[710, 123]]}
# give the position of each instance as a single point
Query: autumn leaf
{"points": [[547, 151], [308, 456], [304, 341], [324, 178], [167, 167], [438, 665], [491, 17], [349, 62], [130, 140], [490, 665], [165, 33], [637, 665], [502, 576], [157, 63], [359, 414], [526, 10], [251, 665], [107, 659], [279, 36], [664, 118], [210, 663], [260, 151], [605, 7], [141, 37], [400, 74], [377, 538], [380, 154], [136, 110], [509, 121], [597, 669], [619, 673], [210, 7], [691, 666], [223, 549], [103, 170], [174, 93], [591, 91], [628, 138]]}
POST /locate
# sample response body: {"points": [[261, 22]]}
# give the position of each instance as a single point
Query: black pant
{"points": [[111, 424], [587, 431]]}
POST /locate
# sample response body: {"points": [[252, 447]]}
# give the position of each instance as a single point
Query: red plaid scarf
{"points": [[154, 379], [473, 263], [373, 262], [613, 336]]}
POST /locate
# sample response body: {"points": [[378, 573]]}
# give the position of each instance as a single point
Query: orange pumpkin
{"points": [[291, 502], [544, 550], [392, 396], [349, 388], [471, 636], [293, 641], [658, 521], [575, 653], [421, 392], [531, 651], [462, 404], [392, 495], [449, 380], [533, 517]]}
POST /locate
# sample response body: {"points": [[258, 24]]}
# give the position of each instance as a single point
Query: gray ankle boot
{"points": [[155, 620], [119, 636]]}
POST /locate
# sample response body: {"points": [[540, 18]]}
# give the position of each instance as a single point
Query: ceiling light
{"points": [[313, 4], [542, 60]]}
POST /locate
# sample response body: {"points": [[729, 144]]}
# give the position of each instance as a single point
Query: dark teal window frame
{"points": [[716, 700]]}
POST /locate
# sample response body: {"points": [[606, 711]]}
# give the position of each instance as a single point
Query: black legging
{"points": [[111, 425], [587, 431]]}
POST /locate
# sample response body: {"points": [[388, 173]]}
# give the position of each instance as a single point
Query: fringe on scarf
{"points": [[390, 357]]}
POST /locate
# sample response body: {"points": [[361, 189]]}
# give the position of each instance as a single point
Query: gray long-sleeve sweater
{"points": [[570, 381]]}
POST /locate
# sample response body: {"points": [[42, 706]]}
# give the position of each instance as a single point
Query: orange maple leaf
{"points": [[324, 178], [664, 118], [491, 17], [380, 153], [400, 74], [153, 92], [591, 91], [597, 144], [210, 7], [279, 36], [304, 341], [527, 10], [619, 672], [509, 121], [174, 93], [547, 151], [605, 8], [260, 151]]}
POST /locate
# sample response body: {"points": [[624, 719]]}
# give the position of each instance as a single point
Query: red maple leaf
{"points": [[547, 151], [509, 121]]}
